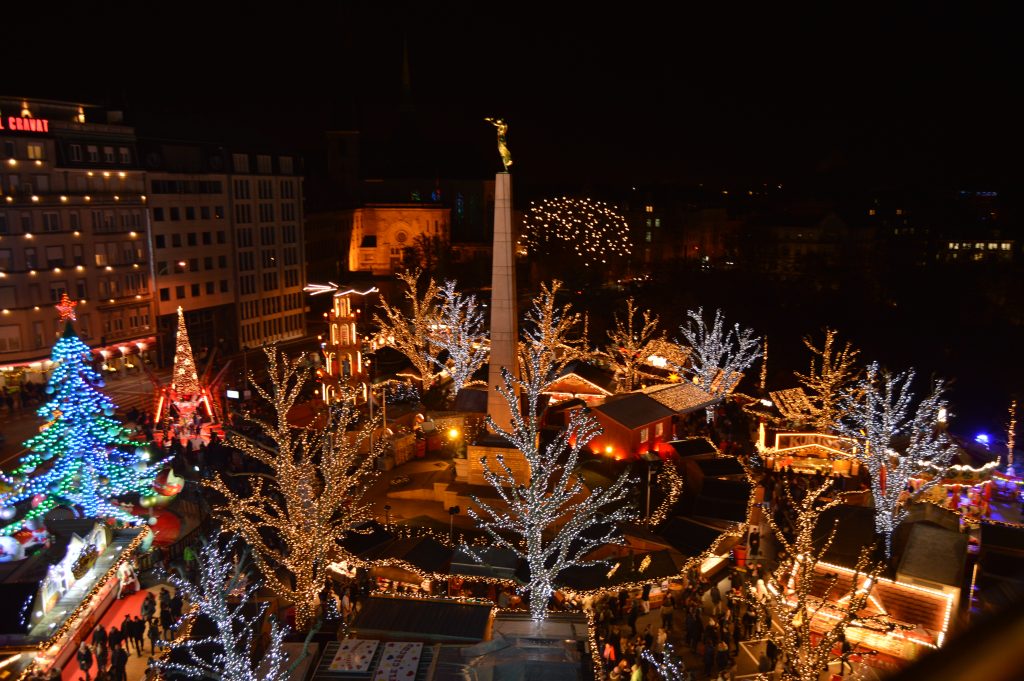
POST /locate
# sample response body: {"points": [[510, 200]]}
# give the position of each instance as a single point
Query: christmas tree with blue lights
{"points": [[82, 458]]}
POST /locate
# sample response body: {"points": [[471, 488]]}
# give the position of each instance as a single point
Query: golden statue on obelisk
{"points": [[502, 126]]}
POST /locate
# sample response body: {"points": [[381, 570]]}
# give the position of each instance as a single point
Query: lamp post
{"points": [[452, 512]]}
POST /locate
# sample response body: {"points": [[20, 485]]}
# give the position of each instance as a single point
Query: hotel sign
{"points": [[25, 124]]}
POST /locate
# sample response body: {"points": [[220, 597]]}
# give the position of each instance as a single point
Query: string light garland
{"points": [[185, 378], [672, 485], [764, 365], [48, 648], [666, 664], [835, 372], [319, 476], [459, 330], [875, 412], [556, 519], [631, 346], [410, 333], [787, 601], [718, 357], [1011, 435], [592, 231], [233, 651], [83, 457]]}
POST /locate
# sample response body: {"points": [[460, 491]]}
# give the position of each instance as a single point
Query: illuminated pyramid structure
{"points": [[187, 391]]}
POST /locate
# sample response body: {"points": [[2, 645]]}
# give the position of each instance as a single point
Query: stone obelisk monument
{"points": [[504, 315]]}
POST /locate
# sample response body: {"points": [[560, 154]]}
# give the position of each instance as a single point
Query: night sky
{"points": [[596, 96]]}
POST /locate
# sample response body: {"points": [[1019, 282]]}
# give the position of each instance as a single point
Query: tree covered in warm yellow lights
{"points": [[294, 517], [410, 332], [808, 610], [553, 337], [631, 344], [832, 370]]}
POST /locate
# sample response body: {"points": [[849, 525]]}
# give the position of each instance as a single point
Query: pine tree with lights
{"points": [[185, 380], [233, 651], [83, 457], [551, 520]]}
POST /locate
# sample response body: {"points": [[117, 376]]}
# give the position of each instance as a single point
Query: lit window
{"points": [[871, 211], [659, 429], [35, 151], [647, 236], [1006, 246], [643, 435], [648, 209], [899, 211]]}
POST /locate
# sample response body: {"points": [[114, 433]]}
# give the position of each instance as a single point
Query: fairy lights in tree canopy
{"points": [[315, 493], [593, 231], [556, 521], [409, 333], [832, 370], [459, 330], [786, 594], [185, 379], [631, 346], [718, 357], [83, 457], [234, 649], [876, 412]]}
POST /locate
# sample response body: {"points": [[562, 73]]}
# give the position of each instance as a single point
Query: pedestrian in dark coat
{"points": [[84, 659], [166, 621], [118, 662], [139, 635], [101, 653], [99, 636], [177, 604], [154, 634], [114, 636]]}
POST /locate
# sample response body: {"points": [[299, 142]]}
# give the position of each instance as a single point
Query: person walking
{"points": [[773, 653], [139, 635], [154, 634], [114, 637], [148, 606], [118, 662], [99, 636], [85, 659], [101, 653], [166, 621], [667, 613]]}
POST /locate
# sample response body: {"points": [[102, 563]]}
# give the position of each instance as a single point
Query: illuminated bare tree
{"points": [[553, 336], [876, 413], [793, 607], [718, 357], [832, 371], [550, 519], [314, 495], [631, 346], [460, 332], [232, 652], [410, 334]]}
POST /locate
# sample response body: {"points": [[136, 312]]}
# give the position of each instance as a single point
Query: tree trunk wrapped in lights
{"points": [[718, 357], [410, 334], [792, 607], [233, 651], [876, 412], [630, 347], [831, 372], [459, 330], [550, 520], [313, 497]]}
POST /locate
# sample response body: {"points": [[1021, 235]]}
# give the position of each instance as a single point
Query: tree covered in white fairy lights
{"points": [[876, 411], [293, 518], [223, 595], [549, 519], [553, 336], [83, 457], [459, 331], [666, 664], [808, 610], [718, 357]]}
